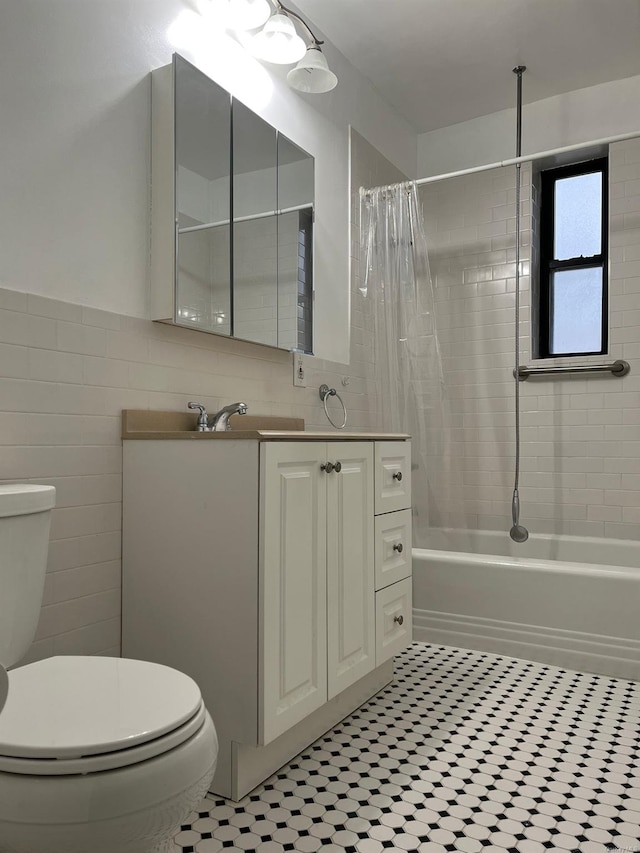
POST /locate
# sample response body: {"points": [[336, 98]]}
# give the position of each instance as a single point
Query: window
{"points": [[573, 254]]}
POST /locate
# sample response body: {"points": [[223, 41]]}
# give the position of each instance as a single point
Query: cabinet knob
{"points": [[399, 547], [398, 619], [338, 467], [398, 476], [327, 466]]}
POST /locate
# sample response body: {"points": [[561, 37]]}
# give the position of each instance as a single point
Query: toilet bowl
{"points": [[106, 755], [97, 754]]}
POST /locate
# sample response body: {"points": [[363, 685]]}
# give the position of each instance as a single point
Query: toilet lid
{"points": [[66, 707]]}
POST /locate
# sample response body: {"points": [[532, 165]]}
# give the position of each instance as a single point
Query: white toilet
{"points": [[96, 754]]}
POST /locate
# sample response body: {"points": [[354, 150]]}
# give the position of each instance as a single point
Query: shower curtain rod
{"points": [[526, 158]]}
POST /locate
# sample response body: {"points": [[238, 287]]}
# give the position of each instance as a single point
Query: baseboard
{"points": [[613, 656]]}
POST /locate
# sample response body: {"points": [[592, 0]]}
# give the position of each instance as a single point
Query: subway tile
{"points": [[604, 481], [621, 465], [621, 531], [81, 491], [100, 319], [85, 580], [627, 497], [105, 372], [98, 638], [604, 513], [77, 613], [85, 340], [17, 463], [13, 300], [129, 344], [49, 397], [14, 361], [27, 330], [23, 428], [70, 522], [51, 366], [631, 515], [630, 481], [84, 551], [53, 308]]}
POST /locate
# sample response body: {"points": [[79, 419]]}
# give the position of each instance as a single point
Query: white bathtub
{"points": [[569, 601]]}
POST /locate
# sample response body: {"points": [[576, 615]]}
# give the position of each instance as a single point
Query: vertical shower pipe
{"points": [[518, 533]]}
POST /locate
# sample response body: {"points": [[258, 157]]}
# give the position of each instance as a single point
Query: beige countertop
{"points": [[150, 425]]}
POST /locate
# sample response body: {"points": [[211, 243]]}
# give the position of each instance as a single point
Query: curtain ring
{"points": [[326, 392]]}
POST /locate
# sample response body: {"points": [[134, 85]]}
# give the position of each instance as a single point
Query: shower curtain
{"points": [[408, 367]]}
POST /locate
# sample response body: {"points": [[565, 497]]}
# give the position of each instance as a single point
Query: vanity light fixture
{"points": [[312, 74], [279, 42]]}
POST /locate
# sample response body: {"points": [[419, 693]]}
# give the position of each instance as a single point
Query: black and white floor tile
{"points": [[464, 751]]}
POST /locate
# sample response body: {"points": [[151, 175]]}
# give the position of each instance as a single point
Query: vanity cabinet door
{"points": [[292, 630], [350, 544]]}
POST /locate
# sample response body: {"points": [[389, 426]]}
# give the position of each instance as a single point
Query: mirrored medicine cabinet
{"points": [[232, 216]]}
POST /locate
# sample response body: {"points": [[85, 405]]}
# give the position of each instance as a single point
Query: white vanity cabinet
{"points": [[317, 601], [266, 571]]}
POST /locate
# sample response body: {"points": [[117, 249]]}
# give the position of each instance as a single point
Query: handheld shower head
{"points": [[518, 533]]}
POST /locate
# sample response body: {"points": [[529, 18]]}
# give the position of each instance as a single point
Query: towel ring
{"points": [[326, 392]]}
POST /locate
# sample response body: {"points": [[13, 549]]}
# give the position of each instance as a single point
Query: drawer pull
{"points": [[328, 467], [399, 547], [399, 619], [338, 467], [398, 476]]}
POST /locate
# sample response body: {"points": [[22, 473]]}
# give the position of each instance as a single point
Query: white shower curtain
{"points": [[410, 386]]}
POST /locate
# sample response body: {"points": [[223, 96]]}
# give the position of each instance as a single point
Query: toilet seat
{"points": [[70, 715]]}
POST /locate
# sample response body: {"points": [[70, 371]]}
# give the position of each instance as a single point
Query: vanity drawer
{"points": [[394, 624], [393, 547], [393, 476]]}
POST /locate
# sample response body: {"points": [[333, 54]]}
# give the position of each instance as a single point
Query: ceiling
{"points": [[440, 62]]}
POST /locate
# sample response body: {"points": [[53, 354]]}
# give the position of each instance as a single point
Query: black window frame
{"points": [[549, 264]]}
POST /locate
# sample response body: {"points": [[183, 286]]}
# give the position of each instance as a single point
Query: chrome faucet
{"points": [[220, 421]]}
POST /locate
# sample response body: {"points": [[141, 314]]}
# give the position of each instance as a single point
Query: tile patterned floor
{"points": [[465, 751]]}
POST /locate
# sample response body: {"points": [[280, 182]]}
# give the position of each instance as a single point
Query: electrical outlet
{"points": [[299, 376]]}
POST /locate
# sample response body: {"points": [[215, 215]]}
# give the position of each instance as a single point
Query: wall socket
{"points": [[299, 375]]}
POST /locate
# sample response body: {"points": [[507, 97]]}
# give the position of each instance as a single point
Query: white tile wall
{"points": [[580, 435], [66, 373]]}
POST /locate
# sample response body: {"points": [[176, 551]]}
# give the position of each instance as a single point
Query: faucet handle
{"points": [[202, 425]]}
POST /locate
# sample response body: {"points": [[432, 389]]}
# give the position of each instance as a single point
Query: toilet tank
{"points": [[25, 518]]}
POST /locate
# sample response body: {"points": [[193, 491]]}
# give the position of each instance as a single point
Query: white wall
{"points": [[569, 119], [74, 174]]}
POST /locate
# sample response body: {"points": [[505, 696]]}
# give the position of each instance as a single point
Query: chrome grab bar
{"points": [[617, 368]]}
